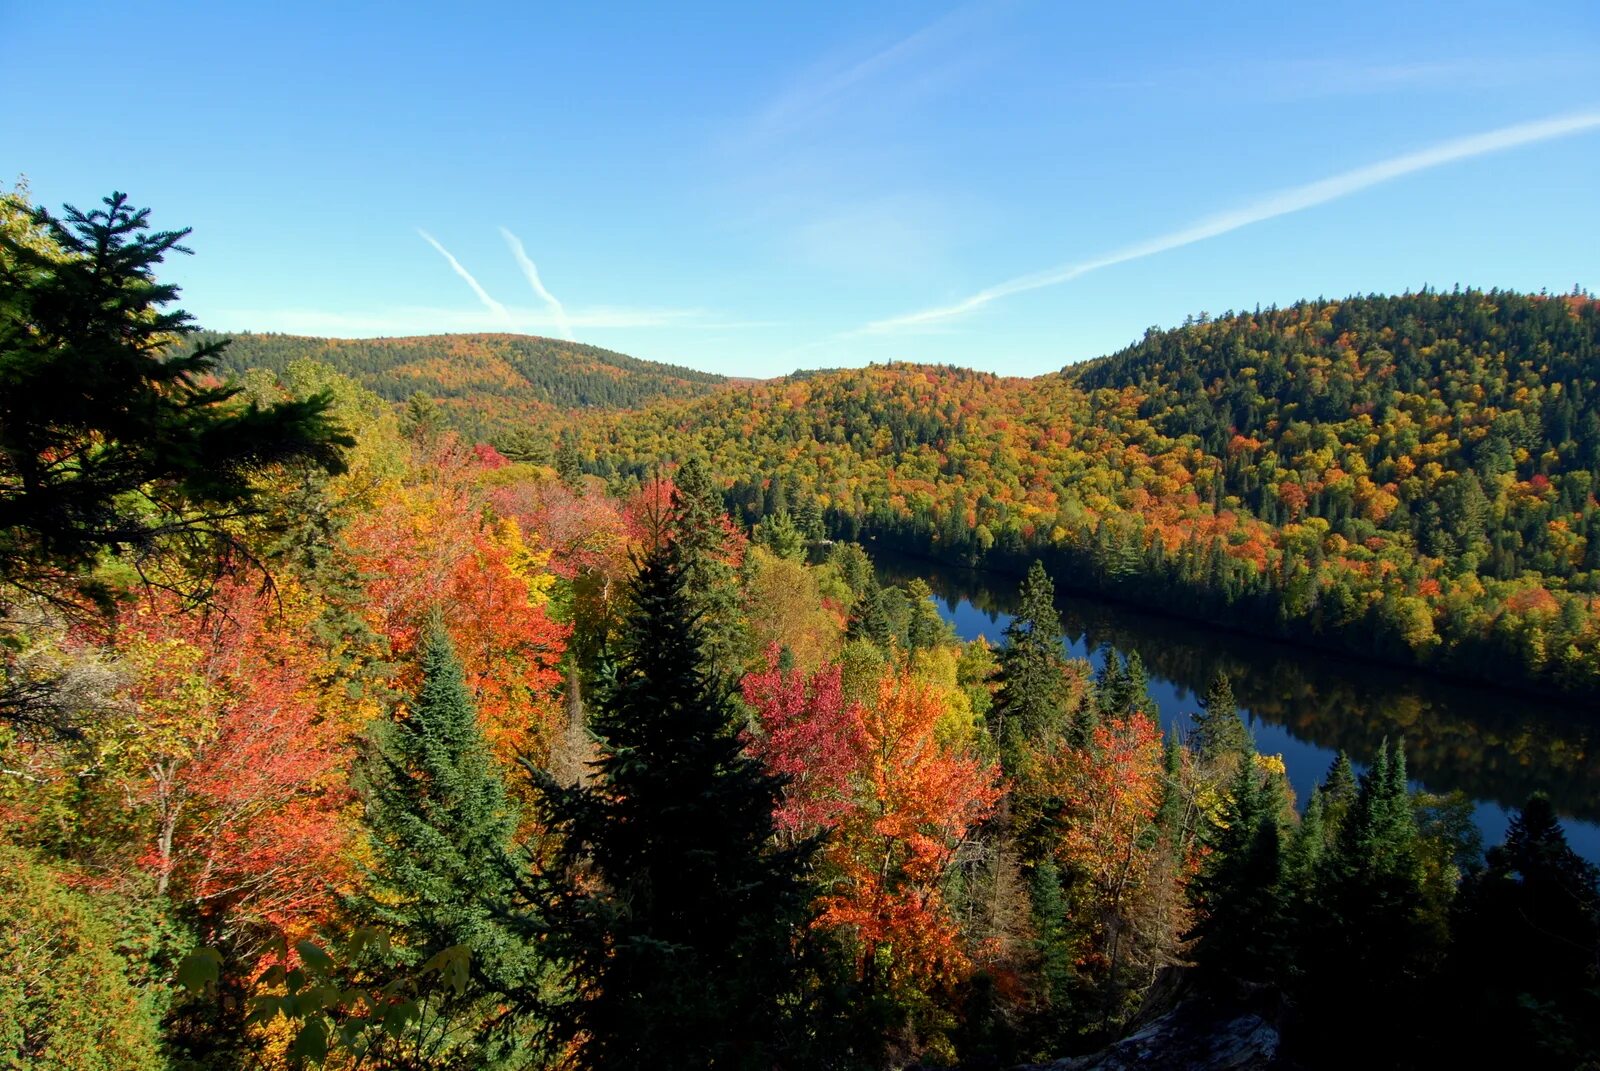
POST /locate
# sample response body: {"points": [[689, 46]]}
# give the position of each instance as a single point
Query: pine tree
{"points": [[1169, 819], [926, 628], [441, 829], [1030, 704], [569, 467], [679, 919], [1240, 892], [1369, 883], [1137, 689], [1526, 948], [163, 459], [1218, 729], [700, 530]]}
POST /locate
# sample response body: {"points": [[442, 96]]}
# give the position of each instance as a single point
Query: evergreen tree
{"points": [[780, 535], [569, 466], [1218, 729], [1526, 949], [1137, 689], [1338, 790], [162, 458], [1370, 883], [1239, 893], [1031, 701], [700, 530], [441, 831], [1111, 685], [926, 629], [1169, 819], [679, 917], [423, 419]]}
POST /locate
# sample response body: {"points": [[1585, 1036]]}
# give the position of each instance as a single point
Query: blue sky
{"points": [[754, 188]]}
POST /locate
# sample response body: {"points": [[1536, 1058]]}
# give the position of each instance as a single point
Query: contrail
{"points": [[455, 265], [532, 274], [1283, 203]]}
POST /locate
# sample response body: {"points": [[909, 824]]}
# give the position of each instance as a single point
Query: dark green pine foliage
{"points": [[1525, 954], [1338, 790], [699, 527], [1137, 689], [162, 457], [569, 466], [1369, 886], [779, 534], [870, 619], [1218, 729], [1030, 705], [441, 830], [1053, 942], [1240, 895], [925, 629], [680, 919]]}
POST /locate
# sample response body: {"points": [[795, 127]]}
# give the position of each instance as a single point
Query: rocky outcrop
{"points": [[1192, 1037]]}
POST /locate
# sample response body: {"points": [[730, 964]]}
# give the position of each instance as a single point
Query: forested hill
{"points": [[1410, 477], [487, 382]]}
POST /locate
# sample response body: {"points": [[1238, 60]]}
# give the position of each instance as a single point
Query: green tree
{"points": [[1526, 949], [1239, 894], [1369, 883], [700, 530], [569, 465], [66, 1003], [675, 911], [1218, 729], [925, 629], [110, 441], [1031, 702], [441, 830]]}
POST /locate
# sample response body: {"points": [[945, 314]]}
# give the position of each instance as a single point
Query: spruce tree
{"points": [[1240, 892], [1370, 883], [1526, 949], [1031, 701], [1218, 729], [678, 916], [926, 629], [569, 468], [699, 528], [114, 436], [441, 829]]}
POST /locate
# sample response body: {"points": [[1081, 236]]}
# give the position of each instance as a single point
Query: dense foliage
{"points": [[1409, 478], [487, 384], [510, 765]]}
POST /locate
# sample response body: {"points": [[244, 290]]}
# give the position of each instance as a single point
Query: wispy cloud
{"points": [[489, 303], [531, 273], [1285, 202], [913, 60]]}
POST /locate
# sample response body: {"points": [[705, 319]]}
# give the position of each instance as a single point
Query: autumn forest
{"points": [[492, 701]]}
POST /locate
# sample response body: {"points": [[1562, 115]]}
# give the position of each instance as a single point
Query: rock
{"points": [[1192, 1037]]}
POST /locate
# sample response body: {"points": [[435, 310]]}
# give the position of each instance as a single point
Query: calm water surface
{"points": [[1495, 747]]}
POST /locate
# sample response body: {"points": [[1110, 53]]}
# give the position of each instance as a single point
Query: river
{"points": [[1496, 747]]}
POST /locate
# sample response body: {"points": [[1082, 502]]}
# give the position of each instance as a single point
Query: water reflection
{"points": [[1496, 747]]}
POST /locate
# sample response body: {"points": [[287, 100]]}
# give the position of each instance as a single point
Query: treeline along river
{"points": [[1496, 747]]}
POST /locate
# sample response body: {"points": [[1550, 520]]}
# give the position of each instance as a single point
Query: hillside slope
{"points": [[488, 383], [1411, 478]]}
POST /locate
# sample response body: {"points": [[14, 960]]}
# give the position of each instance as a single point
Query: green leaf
{"points": [[398, 1015], [312, 955], [311, 1043], [200, 970]]}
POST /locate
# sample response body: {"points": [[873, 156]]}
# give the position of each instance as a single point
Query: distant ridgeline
{"points": [[486, 383], [1411, 478]]}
